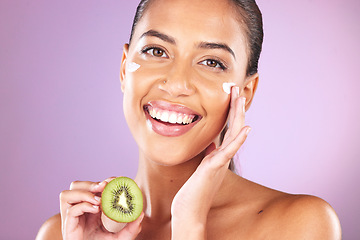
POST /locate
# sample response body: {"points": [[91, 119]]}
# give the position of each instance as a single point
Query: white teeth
{"points": [[186, 119], [165, 116], [179, 119], [171, 117], [190, 119], [158, 115]]}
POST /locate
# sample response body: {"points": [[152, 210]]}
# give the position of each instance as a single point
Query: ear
{"points": [[249, 89], [123, 66]]}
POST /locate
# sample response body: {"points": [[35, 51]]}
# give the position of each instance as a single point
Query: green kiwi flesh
{"points": [[122, 200]]}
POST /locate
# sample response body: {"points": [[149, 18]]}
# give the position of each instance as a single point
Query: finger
{"points": [[239, 118], [77, 196], [228, 152], [222, 155], [69, 198], [109, 179], [87, 186], [74, 213], [237, 122], [234, 95], [81, 208], [132, 229]]}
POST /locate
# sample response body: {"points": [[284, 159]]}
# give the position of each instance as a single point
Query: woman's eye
{"points": [[213, 64], [156, 52]]}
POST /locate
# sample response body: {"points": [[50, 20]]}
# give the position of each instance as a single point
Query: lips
{"points": [[170, 120]]}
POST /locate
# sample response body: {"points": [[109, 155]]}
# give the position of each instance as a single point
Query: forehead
{"points": [[194, 20]]}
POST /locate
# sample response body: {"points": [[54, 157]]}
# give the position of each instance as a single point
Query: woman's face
{"points": [[174, 102]]}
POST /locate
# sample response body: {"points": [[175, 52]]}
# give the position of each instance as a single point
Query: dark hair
{"points": [[251, 19], [143, 5]]}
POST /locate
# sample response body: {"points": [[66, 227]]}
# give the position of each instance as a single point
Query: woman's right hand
{"points": [[81, 214]]}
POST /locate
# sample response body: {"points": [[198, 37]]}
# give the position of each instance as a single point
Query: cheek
{"points": [[139, 85], [214, 99], [217, 105], [216, 102], [132, 98], [138, 82]]}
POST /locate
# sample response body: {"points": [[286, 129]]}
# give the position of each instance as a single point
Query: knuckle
{"points": [[139, 229], [62, 195], [73, 184], [69, 211], [225, 154], [224, 159], [109, 179], [214, 167], [228, 155], [74, 210]]}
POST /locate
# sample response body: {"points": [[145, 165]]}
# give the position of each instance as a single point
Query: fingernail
{"points": [[237, 90], [98, 199], [248, 130], [101, 183], [96, 186], [95, 206], [142, 217], [244, 103], [109, 179]]}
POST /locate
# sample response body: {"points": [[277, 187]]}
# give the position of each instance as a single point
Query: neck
{"points": [[160, 184]]}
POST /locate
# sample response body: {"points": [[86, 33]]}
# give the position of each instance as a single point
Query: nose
{"points": [[178, 81]]}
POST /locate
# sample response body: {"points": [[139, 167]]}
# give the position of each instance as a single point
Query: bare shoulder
{"points": [[304, 217], [258, 212], [51, 229]]}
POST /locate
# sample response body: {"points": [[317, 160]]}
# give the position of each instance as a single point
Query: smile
{"points": [[170, 120], [171, 117]]}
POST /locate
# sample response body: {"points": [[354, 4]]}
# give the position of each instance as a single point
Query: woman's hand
{"points": [[192, 203], [81, 215]]}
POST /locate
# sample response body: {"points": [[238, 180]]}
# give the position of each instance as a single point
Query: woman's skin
{"points": [[187, 49]]}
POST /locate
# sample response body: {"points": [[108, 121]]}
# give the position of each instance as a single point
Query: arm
{"points": [[192, 203]]}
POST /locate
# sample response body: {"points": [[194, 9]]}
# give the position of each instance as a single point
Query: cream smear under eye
{"points": [[227, 87], [132, 66]]}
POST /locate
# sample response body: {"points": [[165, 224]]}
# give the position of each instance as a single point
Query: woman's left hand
{"points": [[192, 203]]}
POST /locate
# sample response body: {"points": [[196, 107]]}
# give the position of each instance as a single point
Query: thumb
{"points": [[132, 229]]}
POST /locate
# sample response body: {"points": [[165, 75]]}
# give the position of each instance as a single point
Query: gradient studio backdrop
{"points": [[61, 105]]}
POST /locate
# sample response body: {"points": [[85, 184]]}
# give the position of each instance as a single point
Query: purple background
{"points": [[61, 106]]}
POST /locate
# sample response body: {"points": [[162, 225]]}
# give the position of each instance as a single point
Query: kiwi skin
{"points": [[111, 225], [113, 219]]}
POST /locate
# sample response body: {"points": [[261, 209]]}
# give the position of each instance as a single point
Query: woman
{"points": [[182, 58]]}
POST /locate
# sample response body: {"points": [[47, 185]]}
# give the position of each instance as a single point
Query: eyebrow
{"points": [[164, 37], [171, 40], [209, 45]]}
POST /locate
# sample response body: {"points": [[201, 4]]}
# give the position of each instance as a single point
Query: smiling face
{"points": [[174, 101]]}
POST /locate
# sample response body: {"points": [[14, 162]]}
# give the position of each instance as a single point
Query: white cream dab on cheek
{"points": [[227, 87], [132, 66]]}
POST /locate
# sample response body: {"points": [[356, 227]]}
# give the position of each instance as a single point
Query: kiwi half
{"points": [[122, 200]]}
